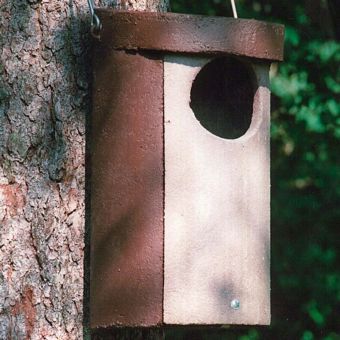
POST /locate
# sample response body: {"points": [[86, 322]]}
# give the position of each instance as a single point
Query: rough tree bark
{"points": [[44, 99]]}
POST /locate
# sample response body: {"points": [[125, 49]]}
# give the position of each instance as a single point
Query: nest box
{"points": [[180, 170]]}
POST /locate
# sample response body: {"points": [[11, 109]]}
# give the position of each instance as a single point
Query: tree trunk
{"points": [[44, 99]]}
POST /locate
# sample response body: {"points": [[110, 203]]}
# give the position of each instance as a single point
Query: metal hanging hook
{"points": [[96, 25], [234, 8]]}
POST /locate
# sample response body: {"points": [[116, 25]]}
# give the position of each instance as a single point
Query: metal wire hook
{"points": [[96, 25], [233, 6]]}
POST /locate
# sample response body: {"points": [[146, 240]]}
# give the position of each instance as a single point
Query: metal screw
{"points": [[235, 304]]}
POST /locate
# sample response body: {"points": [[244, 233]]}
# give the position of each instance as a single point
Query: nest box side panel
{"points": [[217, 207], [127, 190]]}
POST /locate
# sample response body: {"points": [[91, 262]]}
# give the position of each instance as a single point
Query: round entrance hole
{"points": [[222, 97]]}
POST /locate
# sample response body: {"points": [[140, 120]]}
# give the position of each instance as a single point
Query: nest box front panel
{"points": [[217, 187]]}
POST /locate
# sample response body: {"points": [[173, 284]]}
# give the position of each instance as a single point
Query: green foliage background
{"points": [[305, 171]]}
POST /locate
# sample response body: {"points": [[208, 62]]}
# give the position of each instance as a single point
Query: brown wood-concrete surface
{"points": [[182, 33], [127, 190]]}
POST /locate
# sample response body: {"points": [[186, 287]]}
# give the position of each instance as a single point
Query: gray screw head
{"points": [[235, 304]]}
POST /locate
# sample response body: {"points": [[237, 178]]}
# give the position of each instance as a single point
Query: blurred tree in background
{"points": [[305, 170]]}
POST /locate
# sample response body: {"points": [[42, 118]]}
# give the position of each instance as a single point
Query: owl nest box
{"points": [[180, 170]]}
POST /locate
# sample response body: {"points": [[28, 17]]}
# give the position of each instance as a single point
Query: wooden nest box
{"points": [[180, 166]]}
